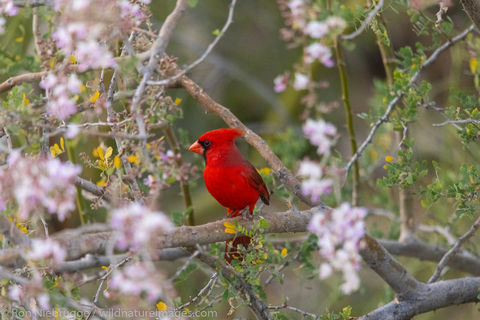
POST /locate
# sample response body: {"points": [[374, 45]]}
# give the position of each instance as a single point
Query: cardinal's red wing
{"points": [[256, 181]]}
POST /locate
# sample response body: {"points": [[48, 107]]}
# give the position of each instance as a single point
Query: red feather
{"points": [[230, 178]]}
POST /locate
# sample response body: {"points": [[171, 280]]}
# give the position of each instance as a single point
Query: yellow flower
{"points": [[230, 227], [55, 284], [265, 256], [24, 99], [73, 60], [108, 153], [385, 166], [116, 162], [55, 149], [101, 183], [52, 63], [187, 310], [133, 159], [94, 97], [161, 306], [22, 228], [265, 171], [98, 152], [284, 252], [178, 101], [388, 158], [19, 39], [473, 65], [471, 180], [105, 267]]}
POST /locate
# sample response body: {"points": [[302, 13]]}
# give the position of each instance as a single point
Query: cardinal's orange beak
{"points": [[196, 147]]}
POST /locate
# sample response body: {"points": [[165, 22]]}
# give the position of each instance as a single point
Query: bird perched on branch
{"points": [[231, 180]]}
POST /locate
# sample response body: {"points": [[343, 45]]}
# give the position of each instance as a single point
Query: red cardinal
{"points": [[231, 179]]}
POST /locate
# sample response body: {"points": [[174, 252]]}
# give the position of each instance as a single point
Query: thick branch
{"points": [[434, 296], [414, 248]]}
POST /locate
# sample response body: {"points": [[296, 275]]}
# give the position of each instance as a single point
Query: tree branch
{"points": [[433, 296], [453, 251]]}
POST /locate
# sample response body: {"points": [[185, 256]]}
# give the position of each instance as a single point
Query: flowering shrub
{"points": [[39, 185], [339, 239]]}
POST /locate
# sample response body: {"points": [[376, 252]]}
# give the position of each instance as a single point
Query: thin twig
{"points": [[453, 251], [400, 95], [474, 121], [205, 53], [302, 312], [207, 288], [365, 23]]}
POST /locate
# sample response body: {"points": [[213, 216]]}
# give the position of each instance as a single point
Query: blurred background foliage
{"points": [[239, 74]]}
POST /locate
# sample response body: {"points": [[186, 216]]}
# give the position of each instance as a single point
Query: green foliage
{"points": [[405, 171]]}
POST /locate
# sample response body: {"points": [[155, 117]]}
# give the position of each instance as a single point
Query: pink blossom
{"points": [[137, 278], [43, 249], [8, 7], [320, 134], [136, 226], [33, 289], [298, 9], [340, 234], [301, 81], [316, 29], [280, 82], [39, 184], [313, 185], [91, 55], [60, 104], [320, 52]]}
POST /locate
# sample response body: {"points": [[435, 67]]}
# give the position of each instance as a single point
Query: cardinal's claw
{"points": [[246, 214]]}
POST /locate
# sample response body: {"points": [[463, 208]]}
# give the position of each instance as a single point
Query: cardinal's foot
{"points": [[246, 215]]}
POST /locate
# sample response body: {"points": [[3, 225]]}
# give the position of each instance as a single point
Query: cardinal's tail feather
{"points": [[231, 251]]}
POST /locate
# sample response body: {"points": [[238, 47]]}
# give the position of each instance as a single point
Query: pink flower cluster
{"points": [[85, 24], [314, 185], [320, 134], [60, 88], [7, 7], [31, 290], [43, 249], [39, 184], [340, 234], [137, 278], [136, 226], [300, 17]]}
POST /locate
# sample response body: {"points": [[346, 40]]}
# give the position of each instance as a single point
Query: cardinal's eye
{"points": [[207, 143]]}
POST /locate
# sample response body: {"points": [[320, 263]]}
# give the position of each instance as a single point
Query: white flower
{"points": [[316, 29], [301, 81]]}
